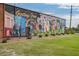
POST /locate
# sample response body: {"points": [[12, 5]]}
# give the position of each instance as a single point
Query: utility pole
{"points": [[70, 16]]}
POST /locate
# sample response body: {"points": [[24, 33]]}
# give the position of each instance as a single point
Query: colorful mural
{"points": [[54, 26], [19, 26], [63, 25], [43, 22], [9, 20], [18, 21], [58, 26]]}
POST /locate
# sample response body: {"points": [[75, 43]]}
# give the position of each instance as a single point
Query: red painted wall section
{"points": [[8, 24], [8, 20], [1, 20]]}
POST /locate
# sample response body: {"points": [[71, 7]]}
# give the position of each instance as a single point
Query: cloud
{"points": [[68, 6], [75, 6], [49, 13], [64, 6]]}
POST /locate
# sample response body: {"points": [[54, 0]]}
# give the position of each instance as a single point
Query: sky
{"points": [[59, 10]]}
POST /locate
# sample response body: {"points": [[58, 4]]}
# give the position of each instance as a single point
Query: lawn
{"points": [[63, 45]]}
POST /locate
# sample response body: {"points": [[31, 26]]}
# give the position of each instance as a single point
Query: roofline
{"points": [[35, 11]]}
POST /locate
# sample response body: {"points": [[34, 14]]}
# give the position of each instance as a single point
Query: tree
{"points": [[78, 26]]}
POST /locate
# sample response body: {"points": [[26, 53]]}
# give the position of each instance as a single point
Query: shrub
{"points": [[72, 31], [52, 34], [57, 33], [29, 36], [35, 34], [62, 33], [69, 31], [40, 34], [4, 40], [46, 34]]}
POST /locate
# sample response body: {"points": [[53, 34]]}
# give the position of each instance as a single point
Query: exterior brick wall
{"points": [[1, 20]]}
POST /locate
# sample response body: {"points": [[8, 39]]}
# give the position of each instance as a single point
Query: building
{"points": [[14, 21]]}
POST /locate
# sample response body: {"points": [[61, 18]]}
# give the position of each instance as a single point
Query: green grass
{"points": [[63, 45]]}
